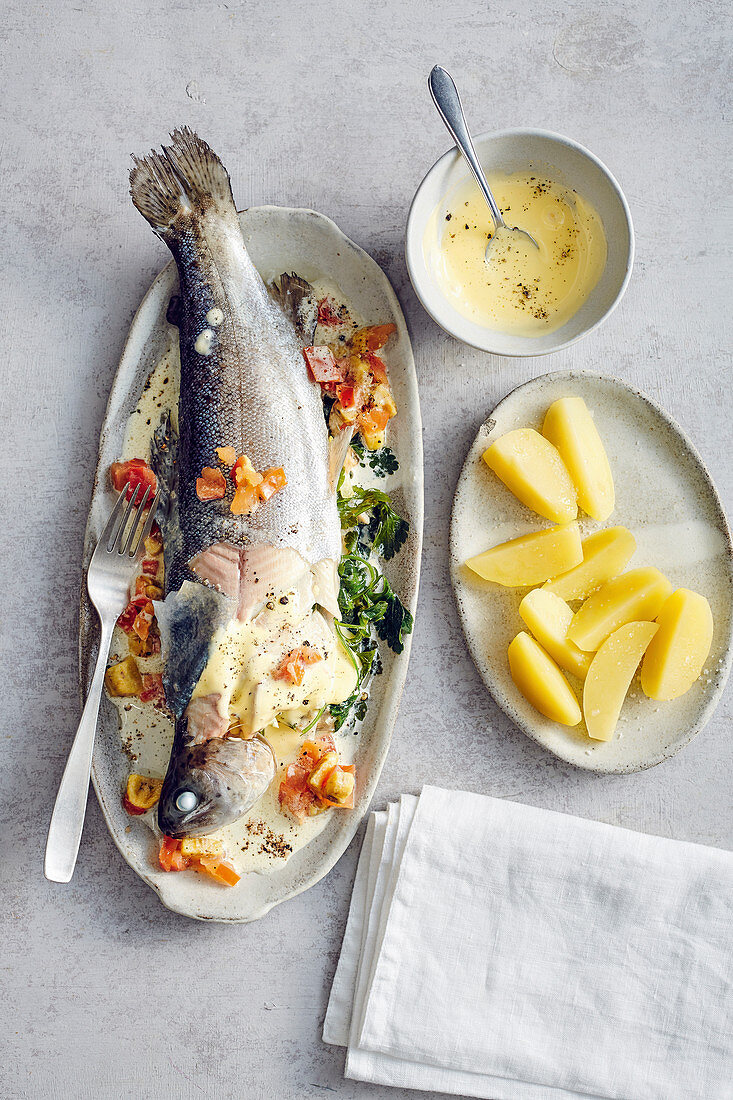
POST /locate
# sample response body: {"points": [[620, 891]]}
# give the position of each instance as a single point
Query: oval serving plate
{"points": [[665, 496], [278, 239]]}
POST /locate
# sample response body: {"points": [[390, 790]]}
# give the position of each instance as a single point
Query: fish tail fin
{"points": [[186, 176]]}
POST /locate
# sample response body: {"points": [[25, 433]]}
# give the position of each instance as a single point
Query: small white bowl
{"points": [[571, 165]]}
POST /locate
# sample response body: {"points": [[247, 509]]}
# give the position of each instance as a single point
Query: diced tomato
{"points": [[150, 566], [378, 335], [127, 619], [135, 473], [144, 620], [346, 396], [244, 473], [294, 793], [273, 480], [245, 501], [227, 455], [297, 801], [128, 806], [219, 869], [146, 586], [323, 365], [328, 313], [319, 747], [211, 485], [170, 856], [293, 665], [372, 338], [253, 487], [376, 366], [376, 419], [153, 691]]}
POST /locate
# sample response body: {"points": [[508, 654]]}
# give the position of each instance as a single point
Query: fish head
{"points": [[213, 784]]}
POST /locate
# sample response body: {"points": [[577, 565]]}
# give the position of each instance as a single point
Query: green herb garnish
{"points": [[387, 530], [382, 461], [367, 602]]}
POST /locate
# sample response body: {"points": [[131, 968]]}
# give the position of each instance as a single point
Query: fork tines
{"points": [[119, 534]]}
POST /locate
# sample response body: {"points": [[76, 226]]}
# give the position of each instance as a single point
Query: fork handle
{"points": [[67, 820], [447, 100]]}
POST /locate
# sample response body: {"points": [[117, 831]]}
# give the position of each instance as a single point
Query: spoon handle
{"points": [[446, 99]]}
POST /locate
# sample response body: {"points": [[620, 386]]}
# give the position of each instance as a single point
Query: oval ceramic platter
{"points": [[665, 497], [308, 243]]}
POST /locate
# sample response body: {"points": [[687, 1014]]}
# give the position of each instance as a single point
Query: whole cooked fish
{"points": [[242, 591]]}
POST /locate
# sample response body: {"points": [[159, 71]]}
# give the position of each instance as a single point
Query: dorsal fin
{"points": [[297, 300]]}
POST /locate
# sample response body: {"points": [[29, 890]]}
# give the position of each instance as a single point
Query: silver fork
{"points": [[108, 583]]}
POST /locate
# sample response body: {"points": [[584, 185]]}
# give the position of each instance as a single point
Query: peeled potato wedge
{"points": [[610, 674], [123, 678], [638, 594], [541, 682], [532, 469], [679, 649], [548, 618], [605, 554], [530, 559], [569, 426]]}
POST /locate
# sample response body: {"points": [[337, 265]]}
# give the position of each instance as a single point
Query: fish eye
{"points": [[186, 801]]}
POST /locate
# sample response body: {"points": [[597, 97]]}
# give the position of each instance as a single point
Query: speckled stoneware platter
{"points": [[308, 243], [665, 496]]}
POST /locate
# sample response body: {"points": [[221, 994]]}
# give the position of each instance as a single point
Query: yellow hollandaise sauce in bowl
{"points": [[522, 300], [517, 287]]}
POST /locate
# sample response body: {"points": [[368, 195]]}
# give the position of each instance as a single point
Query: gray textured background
{"points": [[105, 993]]}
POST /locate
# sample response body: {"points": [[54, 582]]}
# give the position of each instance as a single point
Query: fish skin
{"points": [[227, 399], [244, 384]]}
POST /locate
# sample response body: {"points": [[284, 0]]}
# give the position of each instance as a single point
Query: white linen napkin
{"points": [[501, 951]]}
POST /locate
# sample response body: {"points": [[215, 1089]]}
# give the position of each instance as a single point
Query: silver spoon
{"points": [[447, 100]]}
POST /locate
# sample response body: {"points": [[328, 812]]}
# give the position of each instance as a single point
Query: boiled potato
{"points": [[532, 469], [610, 674], [196, 846], [548, 617], [676, 656], [570, 428], [605, 555], [530, 559], [124, 678], [541, 682], [638, 594], [142, 792]]}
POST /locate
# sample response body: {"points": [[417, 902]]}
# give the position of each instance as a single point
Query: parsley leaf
{"points": [[382, 461], [387, 531], [369, 607], [396, 621]]}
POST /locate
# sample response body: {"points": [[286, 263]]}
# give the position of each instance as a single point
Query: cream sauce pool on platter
{"points": [[263, 839], [519, 289], [266, 837]]}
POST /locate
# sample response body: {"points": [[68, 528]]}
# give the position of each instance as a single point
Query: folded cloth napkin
{"points": [[497, 950]]}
